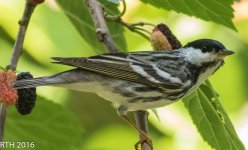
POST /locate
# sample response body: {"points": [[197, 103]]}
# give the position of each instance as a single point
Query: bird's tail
{"points": [[62, 78], [31, 83]]}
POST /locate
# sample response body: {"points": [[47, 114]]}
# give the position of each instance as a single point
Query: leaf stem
{"points": [[123, 10], [2, 68], [131, 26]]}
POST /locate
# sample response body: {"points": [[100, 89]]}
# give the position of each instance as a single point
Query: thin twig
{"points": [[144, 30], [141, 34], [2, 121], [143, 24], [102, 31], [17, 51], [96, 11], [133, 27]]}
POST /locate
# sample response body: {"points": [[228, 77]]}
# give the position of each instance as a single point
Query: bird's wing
{"points": [[161, 67], [115, 66], [136, 67]]}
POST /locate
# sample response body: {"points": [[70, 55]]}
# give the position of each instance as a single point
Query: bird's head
{"points": [[205, 50]]}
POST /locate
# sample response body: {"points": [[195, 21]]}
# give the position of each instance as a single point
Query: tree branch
{"points": [[17, 51], [102, 31], [103, 35], [3, 111], [141, 118]]}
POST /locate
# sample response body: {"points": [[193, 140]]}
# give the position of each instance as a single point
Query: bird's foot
{"points": [[144, 139]]}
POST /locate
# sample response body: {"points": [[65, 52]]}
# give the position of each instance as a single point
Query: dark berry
{"points": [[26, 97], [175, 44]]}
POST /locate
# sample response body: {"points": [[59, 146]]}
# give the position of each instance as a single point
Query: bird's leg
{"points": [[143, 135]]}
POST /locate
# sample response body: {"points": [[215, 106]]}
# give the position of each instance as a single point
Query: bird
{"points": [[138, 80]]}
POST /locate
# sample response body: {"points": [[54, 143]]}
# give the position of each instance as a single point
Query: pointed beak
{"points": [[225, 53]]}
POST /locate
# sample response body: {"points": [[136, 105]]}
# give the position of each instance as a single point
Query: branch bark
{"points": [[102, 31], [17, 51], [141, 118], [103, 35], [2, 121]]}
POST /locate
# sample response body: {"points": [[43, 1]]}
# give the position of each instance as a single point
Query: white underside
{"points": [[117, 100]]}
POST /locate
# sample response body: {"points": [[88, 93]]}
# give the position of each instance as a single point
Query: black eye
{"points": [[204, 49]]}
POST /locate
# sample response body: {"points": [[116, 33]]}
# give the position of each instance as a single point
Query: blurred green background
{"points": [[50, 33]]}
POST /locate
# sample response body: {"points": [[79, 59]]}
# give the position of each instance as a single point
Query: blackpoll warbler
{"points": [[139, 80]]}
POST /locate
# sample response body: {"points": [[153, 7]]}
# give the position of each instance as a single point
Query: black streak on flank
{"points": [[146, 89], [196, 70], [145, 99], [127, 94], [124, 93]]}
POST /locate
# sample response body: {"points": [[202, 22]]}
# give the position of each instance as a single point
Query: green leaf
{"points": [[154, 110], [219, 11], [81, 19], [2, 68], [211, 119], [114, 1], [49, 126]]}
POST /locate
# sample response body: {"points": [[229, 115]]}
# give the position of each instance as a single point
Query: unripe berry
{"points": [[8, 95], [163, 39]]}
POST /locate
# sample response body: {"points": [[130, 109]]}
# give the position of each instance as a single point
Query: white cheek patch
{"points": [[196, 56]]}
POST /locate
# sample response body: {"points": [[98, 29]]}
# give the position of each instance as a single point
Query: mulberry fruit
{"points": [[26, 97]]}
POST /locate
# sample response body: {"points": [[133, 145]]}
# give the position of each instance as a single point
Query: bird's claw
{"points": [[144, 139]]}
